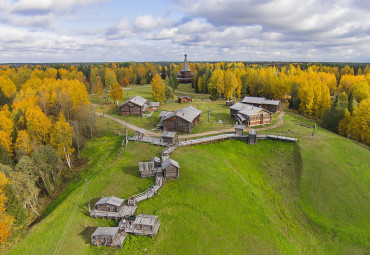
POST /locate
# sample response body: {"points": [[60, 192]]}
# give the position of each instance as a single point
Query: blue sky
{"points": [[208, 30]]}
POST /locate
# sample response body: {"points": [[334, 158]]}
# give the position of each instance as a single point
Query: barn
{"points": [[183, 120], [134, 106], [267, 104], [170, 168], [109, 236], [184, 99]]}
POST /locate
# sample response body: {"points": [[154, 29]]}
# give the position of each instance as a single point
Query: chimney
{"points": [[183, 114]]}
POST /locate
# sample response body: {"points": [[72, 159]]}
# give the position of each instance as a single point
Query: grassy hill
{"points": [[270, 198]]}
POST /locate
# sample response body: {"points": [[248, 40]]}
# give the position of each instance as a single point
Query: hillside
{"points": [[271, 198]]}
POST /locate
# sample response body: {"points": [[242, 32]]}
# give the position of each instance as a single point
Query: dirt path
{"points": [[154, 134]]}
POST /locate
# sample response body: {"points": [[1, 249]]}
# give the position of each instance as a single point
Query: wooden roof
{"points": [[138, 100], [188, 113], [112, 200], [185, 66], [105, 231], [169, 162], [238, 106], [251, 110], [169, 134], [260, 100], [145, 219], [155, 159], [146, 166], [181, 96]]}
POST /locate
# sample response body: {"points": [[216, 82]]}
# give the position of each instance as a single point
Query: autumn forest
{"points": [[45, 116]]}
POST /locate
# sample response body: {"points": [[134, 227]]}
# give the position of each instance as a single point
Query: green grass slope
{"points": [[231, 198]]}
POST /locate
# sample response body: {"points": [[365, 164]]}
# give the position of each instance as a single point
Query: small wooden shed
{"points": [[147, 169], [239, 129], [170, 168], [157, 161], [143, 224], [169, 137], [109, 204], [109, 236], [184, 99], [252, 136]]}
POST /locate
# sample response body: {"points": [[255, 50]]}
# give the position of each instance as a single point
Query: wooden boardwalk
{"points": [[149, 193]]}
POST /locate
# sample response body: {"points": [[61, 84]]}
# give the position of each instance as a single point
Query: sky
{"points": [[44, 31]]}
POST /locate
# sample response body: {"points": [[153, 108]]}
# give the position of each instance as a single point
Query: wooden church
{"points": [[185, 75]]}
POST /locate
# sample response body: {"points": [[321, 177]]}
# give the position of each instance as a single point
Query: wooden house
{"points": [[109, 236], [152, 106], [250, 115], [109, 204], [267, 104], [185, 75], [134, 106], [183, 120], [143, 224], [170, 168], [169, 137], [147, 169], [252, 136], [239, 129], [111, 208], [184, 99]]}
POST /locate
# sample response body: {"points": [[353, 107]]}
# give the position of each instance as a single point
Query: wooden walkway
{"points": [[149, 193]]}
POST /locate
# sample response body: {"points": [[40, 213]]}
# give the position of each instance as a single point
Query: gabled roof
{"points": [[253, 100], [112, 200], [144, 219], [241, 117], [168, 134], [185, 66], [251, 110], [105, 231], [238, 106], [169, 162], [166, 114], [146, 166], [138, 100], [271, 102], [188, 113], [155, 159]]}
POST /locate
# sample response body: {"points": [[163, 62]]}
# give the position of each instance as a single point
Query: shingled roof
{"points": [[144, 219], [238, 106], [112, 200], [251, 110], [185, 66], [188, 113], [168, 162], [253, 100], [138, 100]]}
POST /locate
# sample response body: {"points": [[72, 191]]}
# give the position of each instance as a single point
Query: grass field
{"points": [[231, 198], [219, 117]]}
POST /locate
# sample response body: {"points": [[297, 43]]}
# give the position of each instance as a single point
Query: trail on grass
{"points": [[221, 131]]}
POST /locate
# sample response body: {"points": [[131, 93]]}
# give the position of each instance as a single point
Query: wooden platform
{"points": [[124, 212]]}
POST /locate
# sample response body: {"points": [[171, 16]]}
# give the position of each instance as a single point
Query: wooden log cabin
{"points": [[147, 169], [184, 99], [169, 137], [134, 106], [143, 224], [185, 75], [170, 168], [183, 120], [250, 115], [267, 104], [253, 116], [111, 208], [109, 236]]}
